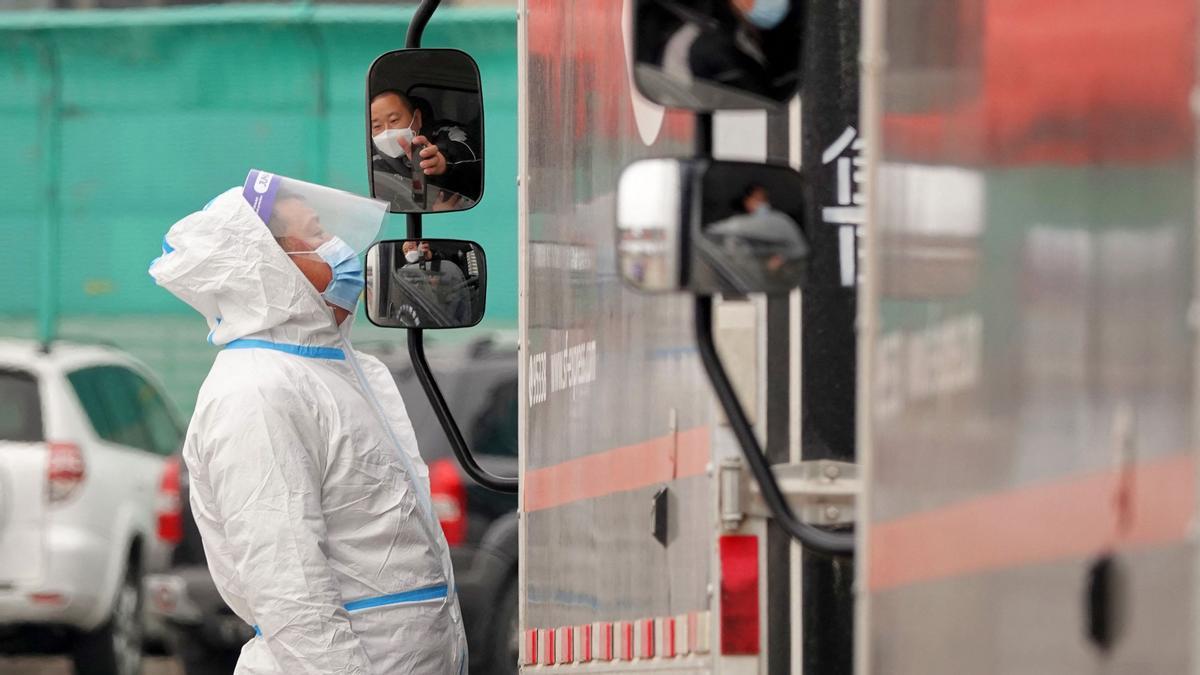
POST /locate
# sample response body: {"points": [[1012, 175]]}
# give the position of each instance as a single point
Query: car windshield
{"points": [[20, 407]]}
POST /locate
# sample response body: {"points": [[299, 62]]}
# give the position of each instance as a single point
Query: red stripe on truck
{"points": [[606, 641], [531, 643], [1075, 517], [659, 460]]}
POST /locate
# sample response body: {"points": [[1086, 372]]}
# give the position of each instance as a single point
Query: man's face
{"points": [[388, 111], [756, 198], [299, 221]]}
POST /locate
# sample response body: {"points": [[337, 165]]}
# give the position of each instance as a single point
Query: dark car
{"points": [[479, 381]]}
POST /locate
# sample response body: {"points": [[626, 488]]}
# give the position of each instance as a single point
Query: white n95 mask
{"points": [[388, 141]]}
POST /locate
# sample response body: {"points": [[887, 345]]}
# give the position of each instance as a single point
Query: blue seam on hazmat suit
{"points": [[419, 595], [431, 593], [214, 330], [307, 351]]}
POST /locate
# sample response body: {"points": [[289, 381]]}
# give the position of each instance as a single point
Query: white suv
{"points": [[85, 433]]}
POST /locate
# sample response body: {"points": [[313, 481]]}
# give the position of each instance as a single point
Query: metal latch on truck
{"points": [[819, 492]]}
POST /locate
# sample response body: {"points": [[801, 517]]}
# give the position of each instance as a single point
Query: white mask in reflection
{"points": [[388, 141]]}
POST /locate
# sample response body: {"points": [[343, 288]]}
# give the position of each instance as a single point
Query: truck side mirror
{"points": [[711, 227], [425, 130], [426, 283], [718, 55]]}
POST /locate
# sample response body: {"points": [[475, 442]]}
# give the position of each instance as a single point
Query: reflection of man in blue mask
{"points": [[755, 199], [760, 230], [739, 46]]}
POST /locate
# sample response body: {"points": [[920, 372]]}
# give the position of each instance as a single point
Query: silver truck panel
{"points": [[1029, 389]]}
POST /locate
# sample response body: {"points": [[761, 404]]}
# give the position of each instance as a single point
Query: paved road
{"points": [[60, 666]]}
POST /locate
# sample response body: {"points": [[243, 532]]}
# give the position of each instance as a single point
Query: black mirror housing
{"points": [[705, 56], [711, 227]]}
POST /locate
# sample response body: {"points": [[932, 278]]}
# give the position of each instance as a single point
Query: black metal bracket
{"points": [[416, 337], [416, 27], [659, 518], [810, 537]]}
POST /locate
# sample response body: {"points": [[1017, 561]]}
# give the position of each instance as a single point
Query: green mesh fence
{"points": [[115, 124]]}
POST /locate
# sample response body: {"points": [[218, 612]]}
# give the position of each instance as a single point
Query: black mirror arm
{"points": [[416, 352], [416, 27], [810, 537], [416, 337]]}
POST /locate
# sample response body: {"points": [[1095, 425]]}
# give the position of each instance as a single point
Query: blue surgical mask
{"points": [[348, 278], [767, 14]]}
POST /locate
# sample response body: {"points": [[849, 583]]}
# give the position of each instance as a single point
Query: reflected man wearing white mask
{"points": [[397, 123]]}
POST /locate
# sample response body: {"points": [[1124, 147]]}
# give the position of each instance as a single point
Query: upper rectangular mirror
{"points": [[718, 54], [425, 130], [426, 283], [711, 227]]}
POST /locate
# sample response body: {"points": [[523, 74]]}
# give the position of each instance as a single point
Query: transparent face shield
{"points": [[305, 216]]}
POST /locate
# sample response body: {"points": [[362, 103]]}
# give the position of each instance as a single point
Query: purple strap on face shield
{"points": [[259, 190]]}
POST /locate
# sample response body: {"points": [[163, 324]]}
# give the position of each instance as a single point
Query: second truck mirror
{"points": [[711, 227], [726, 54], [426, 283], [425, 130]]}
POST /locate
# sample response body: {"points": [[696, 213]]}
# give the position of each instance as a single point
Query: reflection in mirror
{"points": [[425, 117], [718, 54], [749, 239], [426, 283], [648, 224]]}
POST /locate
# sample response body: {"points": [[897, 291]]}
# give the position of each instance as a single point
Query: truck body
{"points": [[625, 562], [1028, 364], [1021, 262]]}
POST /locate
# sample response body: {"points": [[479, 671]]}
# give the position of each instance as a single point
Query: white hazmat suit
{"points": [[306, 484]]}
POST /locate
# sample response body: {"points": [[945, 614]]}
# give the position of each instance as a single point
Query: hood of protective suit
{"points": [[224, 262]]}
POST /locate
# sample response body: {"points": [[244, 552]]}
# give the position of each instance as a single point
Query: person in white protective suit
{"points": [[306, 485]]}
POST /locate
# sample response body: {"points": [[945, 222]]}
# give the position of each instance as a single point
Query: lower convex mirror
{"points": [[426, 283], [711, 227]]}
